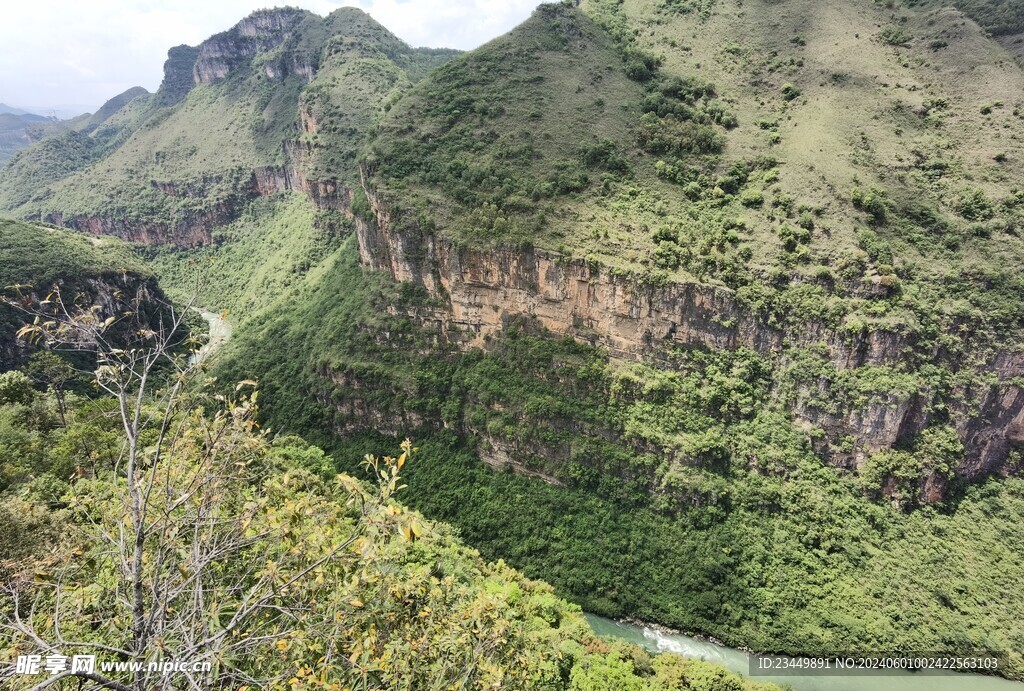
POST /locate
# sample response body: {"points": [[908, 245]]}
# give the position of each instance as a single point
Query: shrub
{"points": [[875, 246], [871, 201], [894, 36], [670, 135], [604, 155], [752, 198], [974, 205]]}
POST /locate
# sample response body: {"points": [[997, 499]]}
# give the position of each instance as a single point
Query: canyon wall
{"points": [[481, 290]]}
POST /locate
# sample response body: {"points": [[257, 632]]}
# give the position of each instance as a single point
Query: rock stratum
{"points": [[482, 291]]}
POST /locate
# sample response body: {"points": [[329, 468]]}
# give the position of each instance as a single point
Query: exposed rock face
{"points": [[357, 407], [178, 75], [259, 32], [190, 231], [114, 293], [483, 290]]}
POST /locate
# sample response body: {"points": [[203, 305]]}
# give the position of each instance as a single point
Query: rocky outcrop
{"points": [[178, 75], [259, 32], [357, 411], [115, 294], [191, 230], [482, 290]]}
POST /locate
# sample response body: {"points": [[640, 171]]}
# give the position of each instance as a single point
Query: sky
{"points": [[56, 54]]}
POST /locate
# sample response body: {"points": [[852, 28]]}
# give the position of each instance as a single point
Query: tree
{"points": [[193, 564], [55, 373], [16, 388]]}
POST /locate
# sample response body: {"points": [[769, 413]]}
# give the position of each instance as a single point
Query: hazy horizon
{"points": [[58, 58]]}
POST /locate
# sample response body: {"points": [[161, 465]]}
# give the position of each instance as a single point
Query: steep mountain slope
{"points": [[64, 148], [842, 215], [204, 146], [1002, 19], [741, 315], [755, 303]]}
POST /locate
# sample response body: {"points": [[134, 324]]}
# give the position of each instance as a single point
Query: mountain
{"points": [[11, 110], [234, 119], [16, 130], [1003, 20], [857, 228], [727, 293]]}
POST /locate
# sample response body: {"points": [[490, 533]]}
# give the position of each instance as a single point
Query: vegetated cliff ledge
{"points": [[36, 261], [483, 290], [194, 227]]}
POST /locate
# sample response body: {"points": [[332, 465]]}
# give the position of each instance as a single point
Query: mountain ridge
{"points": [[249, 78]]}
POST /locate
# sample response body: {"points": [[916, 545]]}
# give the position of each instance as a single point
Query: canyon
{"points": [[480, 291]]}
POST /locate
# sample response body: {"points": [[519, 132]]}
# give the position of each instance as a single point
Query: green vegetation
{"points": [[203, 151], [448, 160], [867, 208], [39, 256], [34, 260], [69, 146], [308, 578], [685, 495], [998, 17], [289, 239], [894, 36]]}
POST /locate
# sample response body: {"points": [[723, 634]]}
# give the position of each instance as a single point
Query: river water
{"points": [[220, 333], [738, 661]]}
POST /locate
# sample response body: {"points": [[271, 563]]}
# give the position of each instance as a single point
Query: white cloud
{"points": [[59, 51]]}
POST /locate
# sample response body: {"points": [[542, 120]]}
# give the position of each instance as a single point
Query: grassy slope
{"points": [[38, 256], [860, 117], [66, 148], [363, 69], [489, 149], [209, 143], [515, 116]]}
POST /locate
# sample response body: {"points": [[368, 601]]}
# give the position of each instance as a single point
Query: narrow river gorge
{"points": [[657, 641]]}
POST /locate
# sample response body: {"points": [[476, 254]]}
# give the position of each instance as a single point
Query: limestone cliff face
{"points": [[178, 75], [482, 290], [259, 32], [191, 230]]}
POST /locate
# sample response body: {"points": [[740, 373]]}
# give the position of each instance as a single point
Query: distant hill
{"points": [[15, 127], [10, 110]]}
